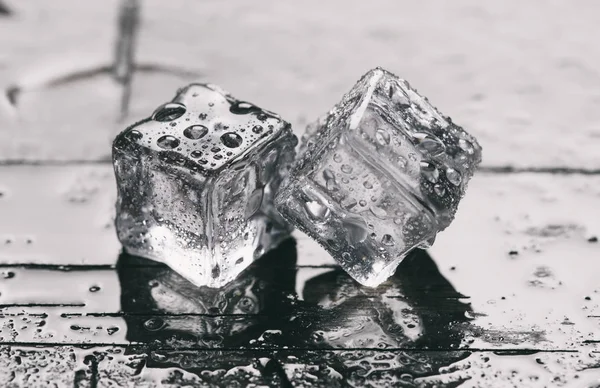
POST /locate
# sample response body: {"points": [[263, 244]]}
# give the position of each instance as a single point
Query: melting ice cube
{"points": [[382, 173], [196, 183]]}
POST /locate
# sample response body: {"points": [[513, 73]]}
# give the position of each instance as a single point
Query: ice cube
{"points": [[196, 183], [382, 173]]}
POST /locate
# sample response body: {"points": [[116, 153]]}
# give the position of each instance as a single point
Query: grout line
{"points": [[157, 314], [41, 305]]}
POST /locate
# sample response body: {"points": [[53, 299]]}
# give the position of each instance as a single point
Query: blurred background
{"points": [[523, 78]]}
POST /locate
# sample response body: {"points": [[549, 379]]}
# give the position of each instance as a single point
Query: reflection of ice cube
{"points": [[196, 184], [382, 173]]}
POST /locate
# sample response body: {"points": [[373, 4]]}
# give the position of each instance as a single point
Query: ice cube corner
{"points": [[377, 176], [196, 183]]}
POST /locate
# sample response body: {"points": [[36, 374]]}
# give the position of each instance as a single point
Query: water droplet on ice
{"points": [[453, 176], [231, 140], [429, 171], [257, 129], [134, 135], [466, 146], [382, 136], [168, 112], [439, 190], [378, 212], [195, 132], [337, 158], [242, 108], [429, 143], [387, 240], [167, 142], [346, 168], [196, 154]]}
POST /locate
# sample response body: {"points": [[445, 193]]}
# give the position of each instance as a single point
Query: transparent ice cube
{"points": [[380, 174], [196, 183]]}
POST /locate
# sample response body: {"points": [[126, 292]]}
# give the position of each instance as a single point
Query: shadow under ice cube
{"points": [[379, 175], [196, 184]]}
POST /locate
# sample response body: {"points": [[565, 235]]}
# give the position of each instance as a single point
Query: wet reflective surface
{"points": [[346, 330], [516, 304]]}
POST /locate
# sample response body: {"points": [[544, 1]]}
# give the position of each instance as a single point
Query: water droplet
{"points": [[316, 211], [346, 256], [382, 136], [387, 240], [346, 168], [134, 135], [167, 142], [429, 143], [231, 140], [259, 251], [439, 190], [453, 176], [195, 132], [154, 324], [257, 129], [429, 171], [466, 146], [168, 112], [196, 154], [356, 230], [94, 289], [362, 202], [242, 108], [337, 158], [378, 212], [367, 185], [202, 116]]}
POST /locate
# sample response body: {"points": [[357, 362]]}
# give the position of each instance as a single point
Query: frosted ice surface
{"points": [[196, 183], [380, 174]]}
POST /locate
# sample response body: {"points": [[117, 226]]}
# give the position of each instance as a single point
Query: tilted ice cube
{"points": [[381, 174], [196, 184]]}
